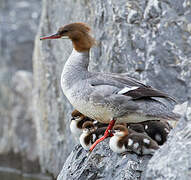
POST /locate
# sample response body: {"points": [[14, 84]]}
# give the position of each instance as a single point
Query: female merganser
{"points": [[128, 140], [106, 97]]}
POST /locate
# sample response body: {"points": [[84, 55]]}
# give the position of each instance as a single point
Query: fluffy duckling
{"points": [[90, 134], [77, 122], [128, 140], [157, 130]]}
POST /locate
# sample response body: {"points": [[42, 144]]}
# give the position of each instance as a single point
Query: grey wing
{"points": [[127, 97], [128, 86], [117, 80], [106, 95]]}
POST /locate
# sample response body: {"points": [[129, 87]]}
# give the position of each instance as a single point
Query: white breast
{"points": [[98, 113], [75, 130], [82, 137], [114, 147]]}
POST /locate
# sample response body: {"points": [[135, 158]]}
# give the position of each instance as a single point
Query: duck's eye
{"points": [[89, 127], [64, 31]]}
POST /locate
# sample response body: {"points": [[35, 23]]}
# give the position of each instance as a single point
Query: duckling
{"points": [[77, 122], [157, 130], [128, 140], [90, 134]]}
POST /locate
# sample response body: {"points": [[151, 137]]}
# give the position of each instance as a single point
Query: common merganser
{"points": [[106, 97], [90, 134], [128, 140]]}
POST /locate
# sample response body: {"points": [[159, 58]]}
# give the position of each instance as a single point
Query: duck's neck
{"points": [[78, 60], [76, 68]]}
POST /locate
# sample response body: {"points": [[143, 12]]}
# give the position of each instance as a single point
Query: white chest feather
{"points": [[114, 147], [82, 142], [98, 113], [75, 130]]}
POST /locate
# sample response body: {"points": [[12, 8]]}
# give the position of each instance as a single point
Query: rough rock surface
{"points": [[23, 127], [149, 39], [103, 163], [174, 158], [18, 26]]}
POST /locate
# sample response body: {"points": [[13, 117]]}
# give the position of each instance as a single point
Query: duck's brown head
{"points": [[79, 33], [88, 126], [120, 130], [77, 115]]}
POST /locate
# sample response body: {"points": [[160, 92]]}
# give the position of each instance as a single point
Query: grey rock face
{"points": [[173, 159], [18, 143], [148, 39], [23, 117], [18, 25], [102, 163]]}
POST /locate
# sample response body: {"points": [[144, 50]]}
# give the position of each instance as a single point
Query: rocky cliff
{"points": [[18, 25]]}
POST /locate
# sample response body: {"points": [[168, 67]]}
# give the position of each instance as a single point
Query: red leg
{"points": [[106, 135]]}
